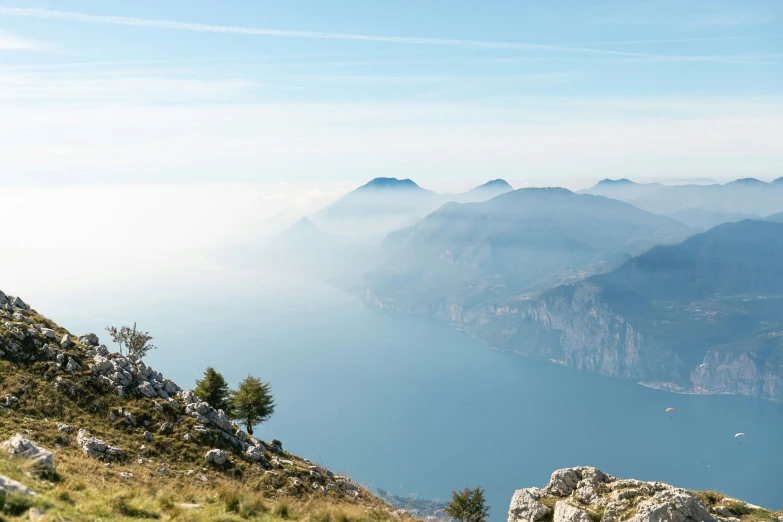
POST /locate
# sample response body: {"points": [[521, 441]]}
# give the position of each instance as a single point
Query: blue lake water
{"points": [[414, 406]]}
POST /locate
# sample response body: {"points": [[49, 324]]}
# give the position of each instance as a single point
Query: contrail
{"points": [[185, 26]]}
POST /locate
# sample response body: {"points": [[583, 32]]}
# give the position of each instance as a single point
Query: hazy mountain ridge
{"points": [[717, 296], [525, 240], [744, 196], [386, 204]]}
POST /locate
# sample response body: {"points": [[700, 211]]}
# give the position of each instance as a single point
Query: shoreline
{"points": [[673, 388]]}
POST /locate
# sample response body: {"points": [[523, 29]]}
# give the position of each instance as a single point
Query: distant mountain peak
{"points": [[304, 224], [747, 181], [495, 184], [614, 182], [389, 183], [778, 181]]}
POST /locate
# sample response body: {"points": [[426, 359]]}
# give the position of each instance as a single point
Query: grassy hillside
{"points": [[167, 477]]}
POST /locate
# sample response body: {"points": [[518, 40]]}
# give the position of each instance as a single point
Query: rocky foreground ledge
{"points": [[587, 494]]}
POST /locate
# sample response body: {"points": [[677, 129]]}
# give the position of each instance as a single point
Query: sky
{"points": [[446, 92], [188, 123]]}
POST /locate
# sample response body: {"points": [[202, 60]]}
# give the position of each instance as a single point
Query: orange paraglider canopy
{"points": [[670, 409]]}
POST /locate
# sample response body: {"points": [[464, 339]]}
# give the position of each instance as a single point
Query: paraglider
{"points": [[669, 410], [702, 365], [740, 434]]}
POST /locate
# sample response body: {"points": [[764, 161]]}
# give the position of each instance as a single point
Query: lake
{"points": [[414, 406]]}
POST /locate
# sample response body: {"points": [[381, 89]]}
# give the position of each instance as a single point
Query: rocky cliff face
{"points": [[573, 325], [586, 494], [575, 329]]}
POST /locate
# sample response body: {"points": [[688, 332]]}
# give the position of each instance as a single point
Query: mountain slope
{"points": [[706, 219], [379, 206], [152, 450], [777, 218], [715, 298], [523, 240]]}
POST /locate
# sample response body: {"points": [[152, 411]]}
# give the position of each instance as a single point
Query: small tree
{"points": [[252, 402], [135, 342], [213, 389], [468, 505]]}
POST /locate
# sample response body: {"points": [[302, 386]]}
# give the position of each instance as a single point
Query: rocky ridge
{"points": [[587, 494]]}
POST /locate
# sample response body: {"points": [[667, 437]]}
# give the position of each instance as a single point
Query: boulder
{"points": [[8, 485], [66, 341], [17, 302], [72, 365], [254, 453], [216, 456], [563, 482], [48, 332], [525, 506], [89, 339], [19, 446], [565, 512]]}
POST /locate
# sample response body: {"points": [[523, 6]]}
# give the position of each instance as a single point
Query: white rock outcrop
{"points": [[21, 447], [95, 447], [216, 456], [586, 494]]}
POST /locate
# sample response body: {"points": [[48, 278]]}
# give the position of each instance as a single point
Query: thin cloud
{"points": [[10, 42], [687, 40], [186, 26]]}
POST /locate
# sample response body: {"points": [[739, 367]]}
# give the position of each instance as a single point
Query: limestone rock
{"points": [[19, 446], [565, 512], [66, 341], [95, 447], [17, 302], [216, 456], [8, 485], [583, 492], [72, 365], [525, 506], [89, 339]]}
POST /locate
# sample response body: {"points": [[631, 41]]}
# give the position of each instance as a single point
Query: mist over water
{"points": [[413, 406]]}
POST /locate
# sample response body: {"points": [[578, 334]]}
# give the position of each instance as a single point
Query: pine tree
{"points": [[252, 403], [213, 389], [468, 505]]}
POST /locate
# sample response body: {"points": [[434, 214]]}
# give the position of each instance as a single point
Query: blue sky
{"points": [[449, 93]]}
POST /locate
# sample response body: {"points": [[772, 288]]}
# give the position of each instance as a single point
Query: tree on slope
{"points": [[136, 342], [252, 402], [468, 505], [213, 389]]}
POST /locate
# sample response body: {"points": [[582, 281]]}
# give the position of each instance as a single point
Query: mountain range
{"points": [[586, 280], [523, 240], [747, 196]]}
